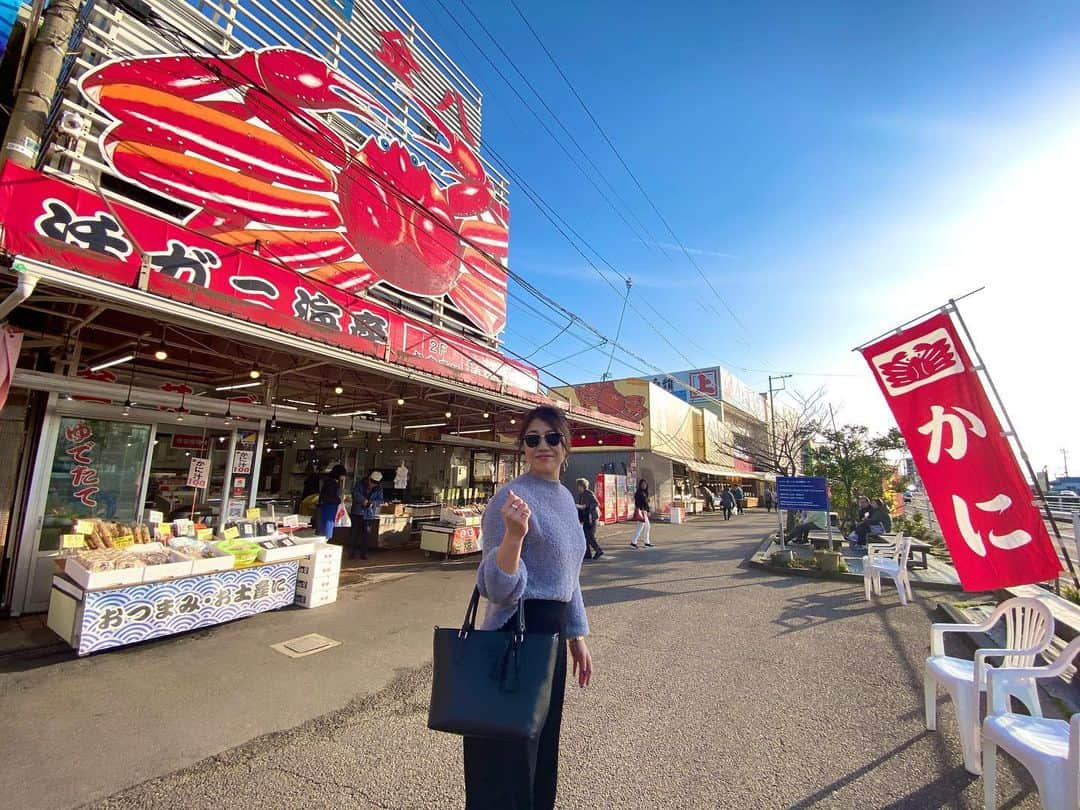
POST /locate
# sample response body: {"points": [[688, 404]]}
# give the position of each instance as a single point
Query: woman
{"points": [[533, 548], [588, 514], [641, 512]]}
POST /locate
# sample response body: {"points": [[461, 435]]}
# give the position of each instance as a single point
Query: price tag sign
{"points": [[231, 533], [84, 527], [290, 521], [198, 473], [123, 541], [72, 541], [154, 517], [165, 529], [204, 534], [242, 462], [253, 514]]}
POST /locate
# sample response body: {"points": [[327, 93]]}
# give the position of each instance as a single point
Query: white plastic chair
{"points": [[1029, 629], [890, 559], [1049, 749]]}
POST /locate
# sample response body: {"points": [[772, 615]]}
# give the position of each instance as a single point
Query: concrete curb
{"points": [[753, 561]]}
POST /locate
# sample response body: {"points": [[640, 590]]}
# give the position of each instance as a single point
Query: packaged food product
{"points": [[244, 551], [155, 557], [108, 559]]}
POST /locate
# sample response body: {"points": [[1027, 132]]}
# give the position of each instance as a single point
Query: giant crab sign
{"points": [[240, 141]]}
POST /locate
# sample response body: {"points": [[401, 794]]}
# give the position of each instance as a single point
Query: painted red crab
{"points": [[239, 139]]}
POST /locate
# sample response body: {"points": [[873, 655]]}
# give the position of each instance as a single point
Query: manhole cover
{"points": [[305, 645]]}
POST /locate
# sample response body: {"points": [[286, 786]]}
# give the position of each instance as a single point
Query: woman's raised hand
{"points": [[515, 513]]}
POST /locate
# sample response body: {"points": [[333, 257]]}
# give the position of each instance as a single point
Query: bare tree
{"points": [[792, 431]]}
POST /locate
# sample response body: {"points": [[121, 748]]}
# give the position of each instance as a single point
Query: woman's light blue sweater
{"points": [[551, 555]]}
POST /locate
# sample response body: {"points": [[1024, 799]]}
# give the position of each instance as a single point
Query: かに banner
{"points": [[983, 503]]}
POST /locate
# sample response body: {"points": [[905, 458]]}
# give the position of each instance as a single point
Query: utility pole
{"points": [[772, 416], [1065, 460], [26, 129]]}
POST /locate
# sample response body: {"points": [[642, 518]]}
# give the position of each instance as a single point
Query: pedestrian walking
{"points": [[641, 513], [588, 514], [727, 502], [326, 510], [367, 498], [531, 525], [768, 500], [738, 493]]}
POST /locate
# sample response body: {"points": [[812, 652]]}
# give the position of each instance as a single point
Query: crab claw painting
{"points": [[244, 143]]}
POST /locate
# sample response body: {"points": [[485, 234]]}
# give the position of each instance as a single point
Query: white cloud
{"points": [[693, 251]]}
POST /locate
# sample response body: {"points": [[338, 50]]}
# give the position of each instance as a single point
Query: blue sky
{"points": [[835, 169]]}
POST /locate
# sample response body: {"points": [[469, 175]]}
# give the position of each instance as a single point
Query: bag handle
{"points": [[474, 606]]}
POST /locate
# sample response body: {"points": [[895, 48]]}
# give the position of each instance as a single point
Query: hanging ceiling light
{"points": [[513, 421], [339, 388], [487, 415], [401, 400], [161, 353], [448, 414], [228, 414], [127, 408], [254, 373]]}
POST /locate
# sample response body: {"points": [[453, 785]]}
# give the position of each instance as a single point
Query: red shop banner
{"points": [[983, 503], [61, 224]]}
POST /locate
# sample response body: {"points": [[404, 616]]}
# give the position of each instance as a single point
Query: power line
{"points": [[554, 116], [577, 164], [618, 330], [434, 218], [625, 166]]}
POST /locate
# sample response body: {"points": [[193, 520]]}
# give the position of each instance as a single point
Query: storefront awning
{"points": [[306, 341], [760, 476], [712, 469]]}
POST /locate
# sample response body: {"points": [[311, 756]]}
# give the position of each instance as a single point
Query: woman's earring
{"points": [[565, 464]]}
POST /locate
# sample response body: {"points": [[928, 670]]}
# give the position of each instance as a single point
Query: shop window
{"points": [[97, 471]]}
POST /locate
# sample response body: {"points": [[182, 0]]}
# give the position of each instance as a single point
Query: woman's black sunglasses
{"points": [[554, 439]]}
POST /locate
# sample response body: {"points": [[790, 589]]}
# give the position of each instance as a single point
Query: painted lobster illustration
{"points": [[606, 398], [239, 139]]}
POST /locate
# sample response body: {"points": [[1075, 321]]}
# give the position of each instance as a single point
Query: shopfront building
{"points": [[205, 302], [681, 448]]}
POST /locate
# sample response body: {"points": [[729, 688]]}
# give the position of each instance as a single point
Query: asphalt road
{"points": [[716, 686]]}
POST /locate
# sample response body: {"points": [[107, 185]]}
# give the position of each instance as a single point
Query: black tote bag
{"points": [[494, 684]]}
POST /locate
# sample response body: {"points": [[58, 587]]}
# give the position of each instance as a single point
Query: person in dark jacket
{"points": [[768, 500], [329, 501], [588, 513], [311, 483], [877, 521], [367, 498], [738, 493], [727, 502], [641, 512]]}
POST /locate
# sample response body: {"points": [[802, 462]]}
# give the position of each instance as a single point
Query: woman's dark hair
{"points": [[642, 484], [553, 417]]}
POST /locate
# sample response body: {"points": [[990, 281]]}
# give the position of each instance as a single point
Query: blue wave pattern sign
{"points": [[136, 613], [9, 10]]}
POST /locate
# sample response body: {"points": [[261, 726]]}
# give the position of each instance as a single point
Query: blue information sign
{"points": [[802, 492]]}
